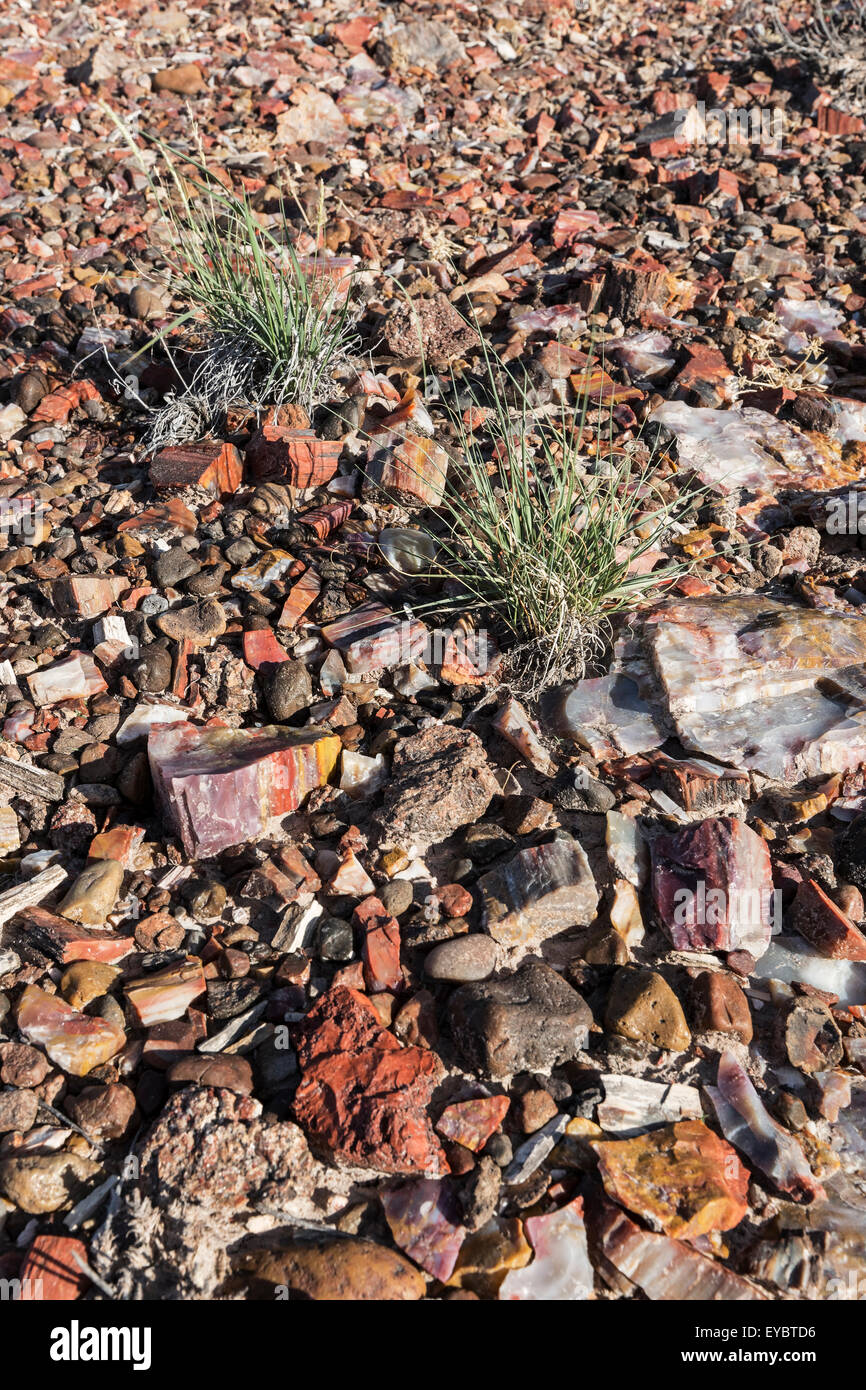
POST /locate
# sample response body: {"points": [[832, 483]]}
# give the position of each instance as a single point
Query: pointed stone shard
{"points": [[750, 1128], [540, 892], [75, 1042], [94, 893], [817, 918], [560, 1270], [512, 722], [218, 787], [380, 949]]}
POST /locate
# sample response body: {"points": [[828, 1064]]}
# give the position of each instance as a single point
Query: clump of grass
{"points": [[543, 537], [262, 329]]}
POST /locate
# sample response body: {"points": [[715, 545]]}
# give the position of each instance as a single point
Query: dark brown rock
{"points": [[720, 1006], [440, 780], [105, 1112], [529, 1021]]}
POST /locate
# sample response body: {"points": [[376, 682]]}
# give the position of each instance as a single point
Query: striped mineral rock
{"points": [[666, 1269], [713, 887], [372, 637], [52, 1270], [86, 596], [293, 456], [606, 715], [540, 892], [63, 941], [219, 787], [745, 1121], [410, 469], [75, 1042], [216, 468], [166, 994], [730, 449], [762, 684], [76, 678]]}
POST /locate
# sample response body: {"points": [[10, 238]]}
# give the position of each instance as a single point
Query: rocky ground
{"points": [[330, 966]]}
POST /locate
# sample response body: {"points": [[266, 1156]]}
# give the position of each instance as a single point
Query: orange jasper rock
{"points": [[682, 1178]]}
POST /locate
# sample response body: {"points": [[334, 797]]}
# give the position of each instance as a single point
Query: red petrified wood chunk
{"points": [[166, 994], [372, 637], [380, 951], [412, 470], [121, 842], [86, 596], [165, 517], [218, 787], [300, 596], [821, 922], [51, 1272], [362, 1096], [293, 456], [215, 467], [65, 941], [324, 520], [262, 650]]}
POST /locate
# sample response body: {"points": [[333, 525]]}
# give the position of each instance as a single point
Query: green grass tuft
{"points": [[269, 331], [543, 537]]}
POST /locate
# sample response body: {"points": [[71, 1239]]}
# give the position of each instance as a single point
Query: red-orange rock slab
{"points": [[362, 1096], [50, 1271], [380, 951], [682, 1179]]}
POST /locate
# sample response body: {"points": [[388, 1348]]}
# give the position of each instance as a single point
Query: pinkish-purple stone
{"points": [[713, 887]]}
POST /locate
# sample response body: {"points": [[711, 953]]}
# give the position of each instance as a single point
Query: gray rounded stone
{"points": [[398, 896], [463, 959]]}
